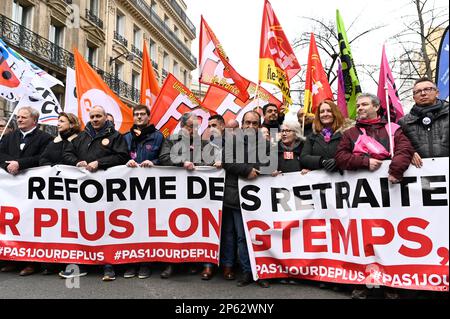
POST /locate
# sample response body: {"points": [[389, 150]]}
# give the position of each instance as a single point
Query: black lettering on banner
{"points": [[33, 188], [299, 197], [214, 189], [245, 193], [67, 183], [404, 190], [385, 195], [342, 194], [111, 190], [369, 198], [53, 188], [98, 195], [164, 188], [323, 197], [283, 201], [203, 188], [148, 188], [428, 191]]}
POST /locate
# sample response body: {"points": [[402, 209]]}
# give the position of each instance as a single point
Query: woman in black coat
{"points": [[68, 129], [321, 145], [290, 148]]}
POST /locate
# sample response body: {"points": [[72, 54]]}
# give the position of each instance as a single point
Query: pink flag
{"points": [[387, 81], [341, 102]]}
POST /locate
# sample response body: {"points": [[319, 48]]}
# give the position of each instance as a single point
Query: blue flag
{"points": [[442, 73]]}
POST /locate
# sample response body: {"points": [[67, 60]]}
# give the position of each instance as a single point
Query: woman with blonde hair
{"points": [[321, 145]]}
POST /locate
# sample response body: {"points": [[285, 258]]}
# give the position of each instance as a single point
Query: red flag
{"points": [[317, 87], [149, 85], [92, 91], [387, 81], [215, 68], [227, 105], [277, 61], [173, 101]]}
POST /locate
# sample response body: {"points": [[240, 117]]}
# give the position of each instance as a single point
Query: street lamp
{"points": [[129, 57]]}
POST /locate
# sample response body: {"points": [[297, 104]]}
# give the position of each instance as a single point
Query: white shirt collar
{"points": [[29, 132]]}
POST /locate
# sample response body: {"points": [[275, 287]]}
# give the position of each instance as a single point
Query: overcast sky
{"points": [[237, 24]]}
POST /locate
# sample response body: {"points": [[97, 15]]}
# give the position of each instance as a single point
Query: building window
{"points": [[166, 61], [176, 69], [93, 6], [137, 37], [185, 78], [22, 13], [118, 70], [56, 34], [153, 55], [135, 80], [166, 20], [154, 7], [186, 42], [91, 54], [120, 23], [176, 31]]}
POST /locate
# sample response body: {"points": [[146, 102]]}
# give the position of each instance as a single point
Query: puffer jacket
{"points": [[108, 147], [432, 141]]}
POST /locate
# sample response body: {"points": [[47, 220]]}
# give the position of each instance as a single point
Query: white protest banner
{"points": [[355, 229], [67, 215], [71, 101]]}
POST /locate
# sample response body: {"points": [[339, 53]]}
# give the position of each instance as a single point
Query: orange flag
{"points": [[317, 87], [277, 61], [215, 68], [92, 91], [149, 85], [173, 101]]}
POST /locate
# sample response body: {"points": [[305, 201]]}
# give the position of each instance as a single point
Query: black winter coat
{"points": [[108, 147], [35, 144], [316, 150], [432, 141], [286, 162], [53, 153]]}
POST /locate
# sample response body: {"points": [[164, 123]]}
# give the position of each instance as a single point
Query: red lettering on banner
{"points": [[39, 223], [100, 226], [152, 231], [115, 221], [338, 232], [208, 219], [286, 233], [369, 240], [65, 232], [426, 245], [264, 239], [309, 235], [11, 223], [173, 222]]}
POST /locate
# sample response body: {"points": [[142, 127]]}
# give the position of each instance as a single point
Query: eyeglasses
{"points": [[140, 114], [287, 131], [425, 90]]}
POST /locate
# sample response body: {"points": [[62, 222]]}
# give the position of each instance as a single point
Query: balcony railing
{"points": [[136, 51], [121, 39], [20, 37], [90, 15], [155, 65], [182, 15], [147, 11]]}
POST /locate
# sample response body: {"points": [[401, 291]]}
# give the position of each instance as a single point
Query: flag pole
{"points": [[388, 109]]}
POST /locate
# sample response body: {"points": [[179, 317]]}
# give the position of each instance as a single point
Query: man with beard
{"points": [[144, 144], [270, 112], [426, 125]]}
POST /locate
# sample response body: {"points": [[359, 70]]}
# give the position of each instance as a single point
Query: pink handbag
{"points": [[366, 145]]}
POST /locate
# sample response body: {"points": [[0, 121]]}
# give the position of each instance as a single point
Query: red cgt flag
{"points": [[92, 91], [231, 108], [173, 101], [149, 85], [215, 68], [317, 87], [277, 61]]}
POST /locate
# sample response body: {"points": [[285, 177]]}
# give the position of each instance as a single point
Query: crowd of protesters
{"points": [[326, 142]]}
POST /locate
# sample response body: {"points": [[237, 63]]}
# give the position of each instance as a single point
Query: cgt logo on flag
{"points": [[94, 97]]}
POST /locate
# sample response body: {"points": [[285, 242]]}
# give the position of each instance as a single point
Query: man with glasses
{"points": [[426, 125], [144, 144]]}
